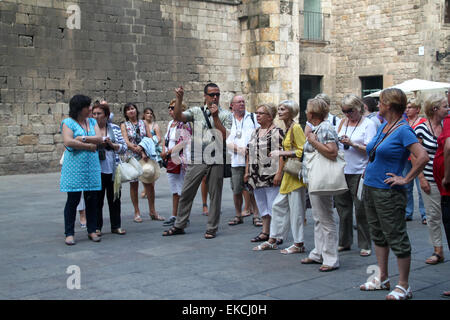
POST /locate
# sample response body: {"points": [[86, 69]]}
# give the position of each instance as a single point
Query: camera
{"points": [[102, 154], [108, 147]]}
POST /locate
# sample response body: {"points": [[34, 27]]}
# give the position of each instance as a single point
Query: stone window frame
{"points": [[325, 24], [446, 12]]}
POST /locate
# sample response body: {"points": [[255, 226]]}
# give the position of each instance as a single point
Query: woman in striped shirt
{"points": [[436, 109]]}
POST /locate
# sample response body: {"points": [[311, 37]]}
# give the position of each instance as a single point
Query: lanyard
{"points": [[348, 121]]}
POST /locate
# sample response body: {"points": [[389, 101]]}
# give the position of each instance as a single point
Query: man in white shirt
{"points": [[244, 123]]}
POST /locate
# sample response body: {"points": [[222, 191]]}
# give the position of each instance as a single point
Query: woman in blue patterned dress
{"points": [[81, 168]]}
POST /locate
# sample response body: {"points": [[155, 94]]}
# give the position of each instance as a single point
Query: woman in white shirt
{"points": [[354, 132], [175, 157]]}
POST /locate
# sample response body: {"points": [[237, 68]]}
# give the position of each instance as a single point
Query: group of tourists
{"points": [[272, 162]]}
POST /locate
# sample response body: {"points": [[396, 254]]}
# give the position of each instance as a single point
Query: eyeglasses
{"points": [[212, 95], [348, 111], [260, 113]]}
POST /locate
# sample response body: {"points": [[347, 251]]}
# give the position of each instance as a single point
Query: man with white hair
{"points": [[244, 123]]}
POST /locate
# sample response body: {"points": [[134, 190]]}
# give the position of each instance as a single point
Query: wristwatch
{"points": [[83, 138]]}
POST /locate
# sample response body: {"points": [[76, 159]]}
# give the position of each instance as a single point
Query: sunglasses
{"points": [[212, 95], [348, 111], [171, 108]]}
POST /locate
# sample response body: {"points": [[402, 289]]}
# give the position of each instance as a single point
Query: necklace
{"points": [[238, 132], [348, 122], [265, 132], [85, 128], [414, 122], [431, 127]]}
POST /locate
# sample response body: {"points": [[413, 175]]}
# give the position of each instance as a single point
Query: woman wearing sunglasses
{"points": [[133, 131], [176, 151], [354, 132]]}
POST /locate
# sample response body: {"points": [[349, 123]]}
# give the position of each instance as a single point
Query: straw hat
{"points": [[151, 171]]}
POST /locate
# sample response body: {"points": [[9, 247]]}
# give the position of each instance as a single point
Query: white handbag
{"points": [[325, 176], [130, 170]]}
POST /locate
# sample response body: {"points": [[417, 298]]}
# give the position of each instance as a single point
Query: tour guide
{"points": [[207, 157]]}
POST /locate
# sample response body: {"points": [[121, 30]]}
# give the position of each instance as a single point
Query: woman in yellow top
{"points": [[289, 206]]}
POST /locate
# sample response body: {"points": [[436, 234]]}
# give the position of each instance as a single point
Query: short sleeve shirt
{"points": [[326, 133], [355, 160], [438, 163], [289, 182], [240, 134], [204, 140], [390, 156]]}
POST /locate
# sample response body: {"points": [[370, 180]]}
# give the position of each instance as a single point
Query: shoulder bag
{"points": [[325, 176], [171, 167], [293, 166]]}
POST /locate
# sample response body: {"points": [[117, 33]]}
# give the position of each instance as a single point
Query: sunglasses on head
{"points": [[213, 94]]}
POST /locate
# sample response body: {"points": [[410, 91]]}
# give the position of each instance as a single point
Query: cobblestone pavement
{"points": [[144, 265]]}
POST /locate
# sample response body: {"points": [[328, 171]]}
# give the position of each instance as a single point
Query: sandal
{"points": [[325, 268], [434, 259], [70, 241], [258, 238], [375, 284], [309, 261], [403, 295], [205, 213], [257, 222], [173, 231], [157, 217], [266, 246], [210, 234], [137, 219], [365, 252], [293, 249], [235, 221], [246, 213]]}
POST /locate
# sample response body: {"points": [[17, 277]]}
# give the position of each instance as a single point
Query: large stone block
{"points": [[46, 139], [28, 140]]}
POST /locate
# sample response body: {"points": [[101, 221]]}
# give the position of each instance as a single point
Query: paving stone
{"points": [[145, 265]]}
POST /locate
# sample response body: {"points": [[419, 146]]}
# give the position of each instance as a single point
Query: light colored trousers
{"points": [[192, 181], [264, 198], [325, 231], [434, 214], [288, 209]]}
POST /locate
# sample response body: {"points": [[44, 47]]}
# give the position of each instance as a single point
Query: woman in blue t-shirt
{"points": [[385, 193]]}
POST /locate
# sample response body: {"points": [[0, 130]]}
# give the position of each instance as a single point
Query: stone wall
{"points": [[270, 51], [377, 38], [124, 51], [383, 38]]}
